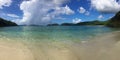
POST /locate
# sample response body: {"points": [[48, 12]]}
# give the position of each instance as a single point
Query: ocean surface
{"points": [[59, 43], [54, 33]]}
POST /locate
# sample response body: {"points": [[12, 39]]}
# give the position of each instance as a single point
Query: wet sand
{"points": [[106, 47]]}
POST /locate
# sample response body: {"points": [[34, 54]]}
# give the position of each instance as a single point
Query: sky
{"points": [[42, 12]]}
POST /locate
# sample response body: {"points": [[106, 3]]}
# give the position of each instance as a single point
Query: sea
{"points": [[60, 43]]}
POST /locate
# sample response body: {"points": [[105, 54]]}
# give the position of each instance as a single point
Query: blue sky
{"points": [[46, 11]]}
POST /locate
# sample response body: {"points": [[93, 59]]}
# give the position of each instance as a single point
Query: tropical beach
{"points": [[59, 29], [103, 46]]}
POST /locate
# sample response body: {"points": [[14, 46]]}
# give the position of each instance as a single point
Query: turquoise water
{"points": [[59, 43], [60, 33]]}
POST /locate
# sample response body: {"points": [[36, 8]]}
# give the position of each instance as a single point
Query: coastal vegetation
{"points": [[4, 23], [96, 22], [55, 24], [113, 22]]}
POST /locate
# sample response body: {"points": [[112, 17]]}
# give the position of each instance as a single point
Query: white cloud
{"points": [[106, 6], [62, 10], [67, 10], [87, 13], [5, 3], [13, 15], [100, 17], [82, 10], [77, 20], [41, 12]]}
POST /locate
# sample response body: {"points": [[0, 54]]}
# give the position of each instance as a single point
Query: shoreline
{"points": [[104, 47]]}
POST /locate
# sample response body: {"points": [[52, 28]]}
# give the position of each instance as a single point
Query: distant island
{"points": [[113, 22], [96, 22], [4, 23]]}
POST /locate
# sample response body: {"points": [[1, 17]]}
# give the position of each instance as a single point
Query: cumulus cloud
{"points": [[41, 12], [13, 15], [100, 17], [5, 3], [77, 20], [67, 10], [82, 10], [106, 6]]}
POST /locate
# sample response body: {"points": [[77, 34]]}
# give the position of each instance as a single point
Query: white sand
{"points": [[105, 47], [14, 51]]}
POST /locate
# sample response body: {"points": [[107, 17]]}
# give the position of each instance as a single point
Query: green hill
{"points": [[4, 23], [95, 22], [114, 21]]}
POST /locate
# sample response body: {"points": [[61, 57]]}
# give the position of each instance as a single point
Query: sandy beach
{"points": [[105, 47], [10, 50]]}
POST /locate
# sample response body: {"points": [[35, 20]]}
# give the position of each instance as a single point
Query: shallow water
{"points": [[59, 43], [54, 33]]}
